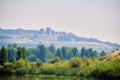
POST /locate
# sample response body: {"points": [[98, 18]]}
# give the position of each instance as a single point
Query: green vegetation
{"points": [[3, 55], [64, 61]]}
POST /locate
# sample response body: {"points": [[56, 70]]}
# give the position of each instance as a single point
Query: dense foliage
{"points": [[63, 61]]}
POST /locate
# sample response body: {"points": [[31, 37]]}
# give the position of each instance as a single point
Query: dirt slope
{"points": [[113, 56]]}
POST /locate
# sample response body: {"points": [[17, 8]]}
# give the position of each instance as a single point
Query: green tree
{"points": [[94, 54], [75, 52], [54, 60], [84, 52], [59, 53], [13, 58], [49, 54], [52, 48], [21, 53], [11, 54], [3, 56], [32, 58], [70, 55], [89, 53], [24, 53], [102, 53], [42, 52], [64, 52]]}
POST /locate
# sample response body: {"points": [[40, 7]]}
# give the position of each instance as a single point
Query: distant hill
{"points": [[32, 38], [113, 56]]}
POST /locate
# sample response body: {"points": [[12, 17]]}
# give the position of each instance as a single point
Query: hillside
{"points": [[32, 38], [113, 56]]}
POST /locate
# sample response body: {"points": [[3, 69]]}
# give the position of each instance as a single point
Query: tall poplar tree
{"points": [[3, 56]]}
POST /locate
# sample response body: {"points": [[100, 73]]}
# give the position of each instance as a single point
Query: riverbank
{"points": [[45, 77], [73, 68]]}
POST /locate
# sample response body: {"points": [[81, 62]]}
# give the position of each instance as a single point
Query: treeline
{"points": [[14, 52]]}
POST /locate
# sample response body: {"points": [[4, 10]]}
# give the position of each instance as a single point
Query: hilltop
{"points": [[30, 38], [113, 56]]}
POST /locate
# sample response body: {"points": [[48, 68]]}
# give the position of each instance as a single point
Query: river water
{"points": [[13, 77]]}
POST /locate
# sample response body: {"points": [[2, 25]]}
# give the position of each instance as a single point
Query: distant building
{"points": [[41, 31], [53, 32], [48, 31]]}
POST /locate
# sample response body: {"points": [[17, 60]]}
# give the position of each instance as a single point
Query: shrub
{"points": [[74, 62], [21, 63], [8, 68], [22, 70], [34, 71], [54, 60], [39, 63]]}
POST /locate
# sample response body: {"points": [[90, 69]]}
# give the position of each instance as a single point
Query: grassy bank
{"points": [[75, 67]]}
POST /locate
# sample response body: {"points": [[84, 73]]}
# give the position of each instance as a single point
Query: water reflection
{"points": [[39, 78]]}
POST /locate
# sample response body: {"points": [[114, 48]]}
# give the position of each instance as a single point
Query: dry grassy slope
{"points": [[113, 56]]}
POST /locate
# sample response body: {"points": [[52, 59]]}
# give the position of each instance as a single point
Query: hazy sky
{"points": [[87, 18]]}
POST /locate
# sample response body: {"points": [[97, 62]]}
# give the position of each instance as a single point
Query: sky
{"points": [[87, 18]]}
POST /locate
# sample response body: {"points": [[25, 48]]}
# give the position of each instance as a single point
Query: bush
{"points": [[48, 69], [22, 70], [107, 69], [74, 62], [34, 71], [8, 68], [54, 60], [21, 63], [39, 63]]}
